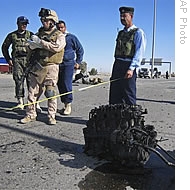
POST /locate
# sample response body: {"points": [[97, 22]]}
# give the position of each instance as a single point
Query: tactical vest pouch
{"points": [[19, 44]]}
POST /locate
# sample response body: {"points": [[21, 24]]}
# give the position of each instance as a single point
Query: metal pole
{"points": [[170, 70], [153, 39]]}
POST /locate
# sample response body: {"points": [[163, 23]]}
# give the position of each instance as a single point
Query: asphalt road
{"points": [[38, 156]]}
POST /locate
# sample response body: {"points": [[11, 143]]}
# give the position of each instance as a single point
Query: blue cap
{"points": [[22, 19]]}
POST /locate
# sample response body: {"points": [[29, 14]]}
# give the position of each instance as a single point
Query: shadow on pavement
{"points": [[157, 101], [108, 177], [155, 175], [7, 112]]}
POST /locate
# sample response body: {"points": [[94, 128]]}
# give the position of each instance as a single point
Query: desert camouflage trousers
{"points": [[36, 89]]}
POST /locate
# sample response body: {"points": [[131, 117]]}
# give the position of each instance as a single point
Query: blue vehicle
{"points": [[4, 66]]}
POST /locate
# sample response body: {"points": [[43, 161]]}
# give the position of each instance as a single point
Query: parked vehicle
{"points": [[144, 73]]}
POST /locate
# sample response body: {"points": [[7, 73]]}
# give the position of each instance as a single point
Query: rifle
{"points": [[32, 58]]}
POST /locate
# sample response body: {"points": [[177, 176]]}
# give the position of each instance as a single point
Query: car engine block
{"points": [[118, 133]]}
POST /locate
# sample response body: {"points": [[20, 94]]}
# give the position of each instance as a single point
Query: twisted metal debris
{"points": [[118, 133]]}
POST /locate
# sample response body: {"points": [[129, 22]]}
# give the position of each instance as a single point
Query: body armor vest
{"points": [[125, 47], [19, 44], [46, 57]]}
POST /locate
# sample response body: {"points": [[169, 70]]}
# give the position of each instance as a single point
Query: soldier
{"points": [[72, 59], [17, 60], [47, 53], [130, 46]]}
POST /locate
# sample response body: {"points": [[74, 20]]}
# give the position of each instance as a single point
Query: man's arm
{"points": [[5, 47], [79, 50], [140, 45], [54, 47]]}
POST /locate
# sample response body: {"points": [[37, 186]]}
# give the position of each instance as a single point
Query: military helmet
{"points": [[48, 14], [22, 19]]}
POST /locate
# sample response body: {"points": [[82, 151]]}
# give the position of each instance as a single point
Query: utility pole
{"points": [[153, 39]]}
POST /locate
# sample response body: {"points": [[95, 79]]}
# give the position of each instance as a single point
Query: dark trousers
{"points": [[122, 90], [65, 82]]}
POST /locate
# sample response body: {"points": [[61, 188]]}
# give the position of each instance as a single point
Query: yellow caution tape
{"points": [[59, 95]]}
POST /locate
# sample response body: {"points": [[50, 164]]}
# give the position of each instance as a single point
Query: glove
{"points": [[33, 45], [36, 39]]}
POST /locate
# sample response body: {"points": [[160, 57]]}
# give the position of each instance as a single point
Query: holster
{"points": [[39, 72]]}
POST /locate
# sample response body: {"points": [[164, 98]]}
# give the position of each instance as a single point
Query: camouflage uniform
{"points": [[46, 79], [47, 50], [19, 53], [36, 89]]}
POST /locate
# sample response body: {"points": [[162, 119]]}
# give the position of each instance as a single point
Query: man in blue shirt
{"points": [[72, 59], [130, 46]]}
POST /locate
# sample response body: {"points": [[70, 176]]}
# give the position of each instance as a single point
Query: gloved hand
{"points": [[36, 39], [33, 45]]}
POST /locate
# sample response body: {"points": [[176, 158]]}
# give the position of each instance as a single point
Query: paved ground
{"points": [[38, 156]]}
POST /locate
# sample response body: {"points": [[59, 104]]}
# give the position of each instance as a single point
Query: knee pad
{"points": [[49, 92]]}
